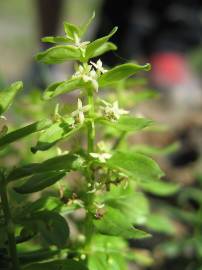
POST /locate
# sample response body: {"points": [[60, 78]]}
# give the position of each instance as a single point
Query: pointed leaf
{"points": [[114, 223], [23, 132], [71, 29], [95, 45], [52, 227], [120, 72], [124, 199], [58, 39], [160, 188], [137, 166], [54, 134], [59, 54], [7, 95], [107, 46], [59, 88], [129, 124], [39, 182], [66, 163], [84, 28], [160, 223]]}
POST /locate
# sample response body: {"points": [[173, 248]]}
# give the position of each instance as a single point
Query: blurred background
{"points": [[168, 34]]}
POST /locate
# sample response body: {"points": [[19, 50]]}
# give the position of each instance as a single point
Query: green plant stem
{"points": [[90, 149], [9, 226], [91, 124]]}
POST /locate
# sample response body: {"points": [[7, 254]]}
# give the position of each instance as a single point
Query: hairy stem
{"points": [[9, 226]]}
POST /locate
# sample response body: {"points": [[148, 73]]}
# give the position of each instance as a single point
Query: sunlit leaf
{"points": [[59, 54], [120, 72], [8, 94], [98, 43], [137, 166]]}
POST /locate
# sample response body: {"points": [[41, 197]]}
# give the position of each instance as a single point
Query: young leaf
{"points": [[114, 223], [71, 30], [39, 182], [85, 26], [23, 132], [107, 46], [66, 264], [95, 45], [7, 95], [120, 72], [59, 88], [59, 54], [129, 123], [137, 166], [58, 39]]}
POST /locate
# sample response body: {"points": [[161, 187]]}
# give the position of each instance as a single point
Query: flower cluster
{"points": [[112, 111], [90, 73]]}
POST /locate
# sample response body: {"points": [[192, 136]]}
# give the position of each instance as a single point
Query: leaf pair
{"points": [[116, 74]]}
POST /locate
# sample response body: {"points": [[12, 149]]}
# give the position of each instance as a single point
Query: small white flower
{"points": [[99, 66], [112, 111], [78, 115], [102, 157], [88, 74]]}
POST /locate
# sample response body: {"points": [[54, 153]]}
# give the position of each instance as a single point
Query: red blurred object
{"points": [[169, 69]]}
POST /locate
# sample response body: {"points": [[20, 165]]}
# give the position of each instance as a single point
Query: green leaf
{"points": [[151, 150], [107, 253], [95, 45], [52, 227], [59, 54], [39, 182], [52, 135], [120, 72], [49, 203], [137, 166], [23, 132], [71, 29], [160, 223], [59, 88], [124, 199], [129, 123], [84, 28], [37, 255], [107, 46], [160, 188], [66, 264], [58, 39], [65, 162], [8, 94], [114, 223], [188, 193]]}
